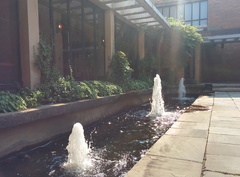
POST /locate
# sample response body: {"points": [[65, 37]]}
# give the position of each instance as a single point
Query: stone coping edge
{"points": [[21, 117]]}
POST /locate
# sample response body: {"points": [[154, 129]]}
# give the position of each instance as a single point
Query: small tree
{"points": [[121, 71], [44, 62]]}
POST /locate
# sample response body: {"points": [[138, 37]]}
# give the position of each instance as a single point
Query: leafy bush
{"points": [[136, 85], [11, 102], [190, 36], [44, 62], [64, 90], [147, 68], [121, 71], [100, 88], [31, 97]]}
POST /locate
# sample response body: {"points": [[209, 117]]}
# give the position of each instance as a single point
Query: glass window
{"points": [[188, 22], [195, 23], [180, 11], [204, 9], [203, 22], [188, 12], [77, 29], [9, 56], [173, 11], [166, 11], [160, 10], [195, 10]]}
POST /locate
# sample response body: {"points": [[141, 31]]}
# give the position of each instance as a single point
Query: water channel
{"points": [[116, 143]]}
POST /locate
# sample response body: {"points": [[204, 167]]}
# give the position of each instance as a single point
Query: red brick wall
{"points": [[224, 13], [221, 64]]}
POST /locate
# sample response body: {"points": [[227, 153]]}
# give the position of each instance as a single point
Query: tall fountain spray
{"points": [[78, 151], [157, 104], [181, 89]]}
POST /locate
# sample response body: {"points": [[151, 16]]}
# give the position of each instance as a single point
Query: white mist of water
{"points": [[157, 104], [78, 151], [181, 89]]}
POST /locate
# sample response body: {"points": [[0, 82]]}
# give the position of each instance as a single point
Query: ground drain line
{"points": [[233, 101], [205, 153]]}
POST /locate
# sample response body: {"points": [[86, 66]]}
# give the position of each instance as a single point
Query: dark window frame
{"points": [[184, 8]]}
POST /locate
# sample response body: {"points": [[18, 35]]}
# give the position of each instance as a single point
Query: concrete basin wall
{"points": [[32, 126]]}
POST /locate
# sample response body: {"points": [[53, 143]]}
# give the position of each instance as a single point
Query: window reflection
{"points": [[194, 13], [76, 28]]}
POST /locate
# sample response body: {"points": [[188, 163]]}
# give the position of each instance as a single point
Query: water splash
{"points": [[181, 89], [157, 104], [78, 151]]}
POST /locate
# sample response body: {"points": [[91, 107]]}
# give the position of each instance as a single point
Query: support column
{"points": [[29, 38], [198, 63], [109, 38], [141, 44]]}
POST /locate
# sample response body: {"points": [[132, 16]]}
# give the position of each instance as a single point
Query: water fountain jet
{"points": [[181, 89], [157, 104], [78, 151]]}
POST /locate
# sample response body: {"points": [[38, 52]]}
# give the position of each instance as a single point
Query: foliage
{"points": [[156, 33], [64, 90], [136, 85], [11, 102], [121, 70], [44, 62], [31, 97], [100, 88], [189, 34], [147, 68]]}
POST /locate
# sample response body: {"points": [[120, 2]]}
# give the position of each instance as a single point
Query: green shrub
{"points": [[100, 88], [147, 68], [64, 90], [44, 62], [11, 102], [136, 85], [31, 97], [121, 71]]}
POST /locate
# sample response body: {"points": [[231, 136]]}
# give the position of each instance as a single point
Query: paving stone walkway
{"points": [[200, 144]]}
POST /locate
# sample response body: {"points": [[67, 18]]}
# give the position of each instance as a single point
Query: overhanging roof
{"points": [[135, 12], [229, 38]]}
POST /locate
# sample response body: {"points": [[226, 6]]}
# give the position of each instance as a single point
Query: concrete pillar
{"points": [[198, 63], [29, 38], [141, 44], [109, 37]]}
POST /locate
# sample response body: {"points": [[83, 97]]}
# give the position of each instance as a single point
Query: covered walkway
{"points": [[200, 144]]}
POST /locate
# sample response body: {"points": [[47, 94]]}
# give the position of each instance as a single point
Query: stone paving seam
{"points": [[234, 101], [205, 153], [223, 173], [174, 158]]}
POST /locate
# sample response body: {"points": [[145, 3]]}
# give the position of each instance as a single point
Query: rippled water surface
{"points": [[117, 143]]}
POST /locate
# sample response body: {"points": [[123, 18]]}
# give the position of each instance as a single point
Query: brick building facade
{"points": [[220, 54]]}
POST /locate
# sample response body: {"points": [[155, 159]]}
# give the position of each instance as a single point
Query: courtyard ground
{"points": [[202, 143]]}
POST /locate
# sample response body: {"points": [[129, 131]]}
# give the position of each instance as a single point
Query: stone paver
{"points": [[195, 133], [199, 144], [191, 125], [199, 116], [228, 139], [150, 166], [215, 174], [185, 148], [225, 124], [225, 131], [223, 149], [224, 164]]}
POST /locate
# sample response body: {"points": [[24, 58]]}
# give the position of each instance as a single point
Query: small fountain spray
{"points": [[157, 104], [181, 89], [78, 151]]}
